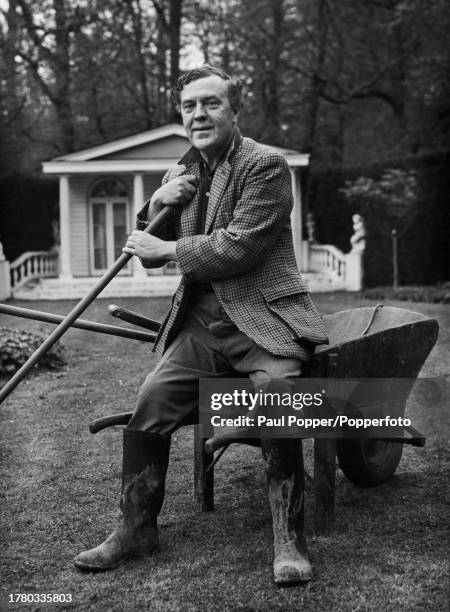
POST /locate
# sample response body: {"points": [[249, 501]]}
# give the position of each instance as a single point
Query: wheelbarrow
{"points": [[369, 342]]}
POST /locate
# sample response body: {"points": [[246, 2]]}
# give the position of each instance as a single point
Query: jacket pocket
{"points": [[293, 306], [275, 292]]}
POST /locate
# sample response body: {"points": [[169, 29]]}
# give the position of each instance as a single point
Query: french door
{"points": [[110, 228]]}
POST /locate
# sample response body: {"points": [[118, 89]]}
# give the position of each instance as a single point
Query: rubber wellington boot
{"points": [[145, 461], [283, 461]]}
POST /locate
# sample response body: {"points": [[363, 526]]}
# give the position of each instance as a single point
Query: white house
{"points": [[102, 188]]}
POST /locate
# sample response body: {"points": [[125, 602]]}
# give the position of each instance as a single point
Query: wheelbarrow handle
{"points": [[77, 310], [109, 421], [48, 317], [133, 317]]}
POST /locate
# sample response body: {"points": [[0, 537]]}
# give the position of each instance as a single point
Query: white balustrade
{"points": [[344, 268], [33, 264]]}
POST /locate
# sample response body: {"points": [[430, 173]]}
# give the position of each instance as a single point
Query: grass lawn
{"points": [[60, 488]]}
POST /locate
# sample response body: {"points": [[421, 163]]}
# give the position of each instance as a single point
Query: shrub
{"points": [[436, 294], [17, 345]]}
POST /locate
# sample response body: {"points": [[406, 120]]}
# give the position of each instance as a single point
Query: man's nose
{"points": [[200, 111]]}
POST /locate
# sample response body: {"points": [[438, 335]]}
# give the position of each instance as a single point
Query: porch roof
{"points": [[151, 151]]}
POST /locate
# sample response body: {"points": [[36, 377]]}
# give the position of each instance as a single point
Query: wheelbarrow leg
{"points": [[324, 484], [203, 479]]}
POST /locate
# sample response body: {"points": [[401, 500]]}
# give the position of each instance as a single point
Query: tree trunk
{"points": [[161, 81], [272, 111], [312, 118], [142, 68], [174, 38], [11, 105], [62, 101], [394, 258]]}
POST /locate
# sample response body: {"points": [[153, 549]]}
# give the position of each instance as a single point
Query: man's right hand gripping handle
{"points": [[177, 192]]}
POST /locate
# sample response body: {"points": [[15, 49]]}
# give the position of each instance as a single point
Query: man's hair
{"points": [[234, 84]]}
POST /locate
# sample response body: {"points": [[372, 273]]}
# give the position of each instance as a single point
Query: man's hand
{"points": [[153, 251], [177, 192]]}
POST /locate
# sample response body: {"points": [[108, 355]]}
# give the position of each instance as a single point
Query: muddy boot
{"points": [[283, 461], [145, 460]]}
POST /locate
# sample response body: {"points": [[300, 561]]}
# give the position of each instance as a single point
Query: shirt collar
{"points": [[193, 156]]}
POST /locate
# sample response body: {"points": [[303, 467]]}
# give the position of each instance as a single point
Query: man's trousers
{"points": [[207, 345]]}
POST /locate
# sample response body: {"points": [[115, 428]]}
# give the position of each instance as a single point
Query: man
{"points": [[241, 308]]}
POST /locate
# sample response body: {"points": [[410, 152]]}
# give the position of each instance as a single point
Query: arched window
{"points": [[109, 222], [109, 187]]}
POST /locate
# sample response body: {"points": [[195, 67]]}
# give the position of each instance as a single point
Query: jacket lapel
{"points": [[220, 181]]}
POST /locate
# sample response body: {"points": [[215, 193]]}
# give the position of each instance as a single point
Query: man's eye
{"points": [[212, 104], [188, 107]]}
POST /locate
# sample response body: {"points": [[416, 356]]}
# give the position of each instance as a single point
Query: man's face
{"points": [[207, 114]]}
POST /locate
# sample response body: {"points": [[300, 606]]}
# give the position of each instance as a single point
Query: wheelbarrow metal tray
{"points": [[380, 342]]}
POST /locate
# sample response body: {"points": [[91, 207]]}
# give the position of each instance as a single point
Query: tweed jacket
{"points": [[246, 252]]}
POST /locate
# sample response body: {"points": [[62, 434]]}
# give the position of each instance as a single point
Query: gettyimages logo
{"points": [[249, 400]]}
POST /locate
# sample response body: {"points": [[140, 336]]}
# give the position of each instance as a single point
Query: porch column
{"points": [[138, 201], [65, 265], [5, 282], [296, 220]]}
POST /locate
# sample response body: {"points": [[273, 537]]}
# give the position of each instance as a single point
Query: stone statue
{"points": [[310, 227], [358, 240]]}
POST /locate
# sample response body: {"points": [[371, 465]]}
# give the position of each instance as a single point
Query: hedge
{"points": [[28, 205]]}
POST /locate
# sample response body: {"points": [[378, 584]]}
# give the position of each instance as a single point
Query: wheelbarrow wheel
{"points": [[368, 462]]}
